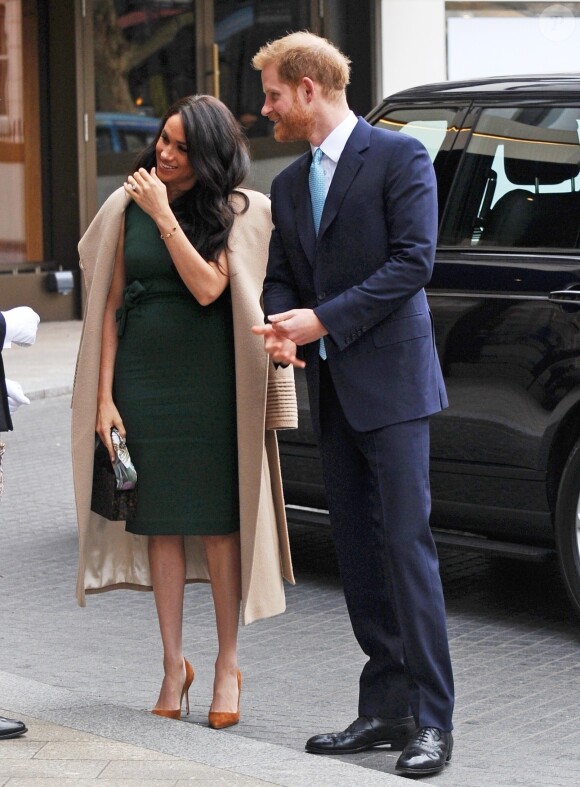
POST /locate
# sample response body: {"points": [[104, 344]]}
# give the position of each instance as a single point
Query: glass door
{"points": [[20, 198], [148, 53]]}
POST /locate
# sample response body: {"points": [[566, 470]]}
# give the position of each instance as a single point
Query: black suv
{"points": [[505, 295]]}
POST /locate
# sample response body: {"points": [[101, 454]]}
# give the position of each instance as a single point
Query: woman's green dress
{"points": [[174, 387]]}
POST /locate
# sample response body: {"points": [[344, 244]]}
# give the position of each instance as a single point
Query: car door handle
{"points": [[565, 296]]}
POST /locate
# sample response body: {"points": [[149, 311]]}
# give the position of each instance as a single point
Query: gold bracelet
{"points": [[169, 234]]}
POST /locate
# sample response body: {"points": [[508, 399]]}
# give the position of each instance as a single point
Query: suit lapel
{"points": [[303, 209], [348, 165]]}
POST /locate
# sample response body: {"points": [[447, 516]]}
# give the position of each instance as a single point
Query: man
{"points": [[19, 326], [351, 273]]}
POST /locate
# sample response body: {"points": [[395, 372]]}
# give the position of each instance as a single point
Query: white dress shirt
{"points": [[333, 146]]}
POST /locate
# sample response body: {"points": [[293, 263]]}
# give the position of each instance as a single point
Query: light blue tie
{"points": [[317, 184]]}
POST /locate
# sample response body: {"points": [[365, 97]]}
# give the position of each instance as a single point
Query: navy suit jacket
{"points": [[363, 275]]}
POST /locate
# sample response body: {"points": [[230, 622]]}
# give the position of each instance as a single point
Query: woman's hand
{"points": [[279, 349], [108, 417], [148, 191]]}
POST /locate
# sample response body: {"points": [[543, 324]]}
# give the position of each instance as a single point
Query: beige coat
{"points": [[109, 556]]}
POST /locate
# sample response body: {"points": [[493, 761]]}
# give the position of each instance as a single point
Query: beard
{"points": [[295, 126]]}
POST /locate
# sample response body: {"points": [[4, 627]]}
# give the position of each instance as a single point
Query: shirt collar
{"points": [[335, 142]]}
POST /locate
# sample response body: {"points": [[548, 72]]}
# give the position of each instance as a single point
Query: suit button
{"points": [[321, 296]]}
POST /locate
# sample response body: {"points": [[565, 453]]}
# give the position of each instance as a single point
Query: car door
{"points": [[505, 299]]}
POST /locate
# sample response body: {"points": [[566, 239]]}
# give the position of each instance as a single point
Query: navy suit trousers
{"points": [[377, 486]]}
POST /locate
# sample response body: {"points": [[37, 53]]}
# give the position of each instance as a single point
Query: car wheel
{"points": [[567, 526]]}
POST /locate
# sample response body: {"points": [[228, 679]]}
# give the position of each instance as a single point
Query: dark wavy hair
{"points": [[218, 152]]}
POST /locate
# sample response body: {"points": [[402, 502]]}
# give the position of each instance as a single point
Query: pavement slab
{"points": [[84, 679]]}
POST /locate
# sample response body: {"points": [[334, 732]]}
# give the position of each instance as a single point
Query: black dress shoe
{"points": [[362, 734], [428, 751], [10, 728]]}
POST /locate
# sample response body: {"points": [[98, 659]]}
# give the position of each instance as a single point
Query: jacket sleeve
{"points": [[410, 212], [280, 292], [281, 405]]}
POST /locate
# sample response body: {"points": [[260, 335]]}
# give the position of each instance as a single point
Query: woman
{"points": [[173, 265]]}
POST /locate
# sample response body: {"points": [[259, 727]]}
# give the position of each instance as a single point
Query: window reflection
{"points": [[150, 53], [521, 181], [12, 214], [144, 55], [241, 28]]}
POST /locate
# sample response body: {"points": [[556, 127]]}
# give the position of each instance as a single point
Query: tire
{"points": [[567, 526]]}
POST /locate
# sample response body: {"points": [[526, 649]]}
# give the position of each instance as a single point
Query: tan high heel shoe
{"points": [[220, 719], [176, 714]]}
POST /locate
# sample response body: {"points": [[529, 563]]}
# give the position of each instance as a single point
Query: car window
{"points": [[429, 126], [104, 140], [518, 185], [133, 140]]}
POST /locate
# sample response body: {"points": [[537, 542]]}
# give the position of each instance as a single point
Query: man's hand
{"points": [[279, 349], [301, 326]]}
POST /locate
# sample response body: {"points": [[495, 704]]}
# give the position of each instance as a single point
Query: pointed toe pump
{"points": [[218, 720], [176, 714]]}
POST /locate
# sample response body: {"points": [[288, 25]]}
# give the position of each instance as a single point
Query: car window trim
{"points": [[476, 108]]}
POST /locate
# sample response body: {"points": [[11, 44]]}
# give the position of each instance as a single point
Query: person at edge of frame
{"points": [[17, 325]]}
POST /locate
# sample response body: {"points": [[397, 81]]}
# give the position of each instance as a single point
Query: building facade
{"points": [[83, 82]]}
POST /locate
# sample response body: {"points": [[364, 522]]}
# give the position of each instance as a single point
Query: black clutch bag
{"points": [[114, 493]]}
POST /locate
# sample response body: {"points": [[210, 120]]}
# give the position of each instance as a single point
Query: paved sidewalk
{"points": [[76, 739], [85, 679], [47, 368], [51, 753]]}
